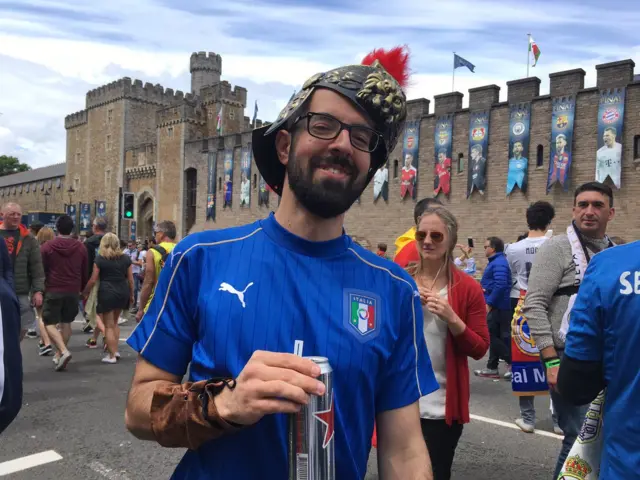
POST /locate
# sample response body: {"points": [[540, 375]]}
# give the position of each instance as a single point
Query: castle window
{"points": [[14, 190], [395, 168], [170, 132], [107, 178], [232, 114], [49, 184], [210, 114], [460, 162], [108, 144], [110, 116], [76, 184], [191, 193], [205, 145], [27, 186], [78, 157], [540, 156], [77, 135], [636, 146], [255, 181], [41, 186], [20, 189], [59, 183]]}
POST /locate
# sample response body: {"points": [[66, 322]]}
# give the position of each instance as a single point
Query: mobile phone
{"points": [[470, 242]]}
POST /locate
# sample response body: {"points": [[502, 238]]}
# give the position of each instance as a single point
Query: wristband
{"points": [[552, 362]]}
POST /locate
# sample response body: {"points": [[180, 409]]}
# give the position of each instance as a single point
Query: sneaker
{"points": [[91, 343], [507, 375], [487, 373], [45, 350], [63, 362], [87, 328], [108, 359], [55, 359], [117, 355], [122, 320], [32, 334], [557, 430], [525, 427]]}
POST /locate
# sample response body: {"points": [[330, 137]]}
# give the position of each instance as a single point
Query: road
{"points": [[78, 414]]}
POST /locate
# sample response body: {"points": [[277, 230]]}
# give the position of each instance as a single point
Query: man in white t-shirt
{"points": [[609, 158], [520, 256]]}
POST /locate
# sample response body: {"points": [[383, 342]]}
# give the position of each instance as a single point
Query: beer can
{"points": [[311, 434]]}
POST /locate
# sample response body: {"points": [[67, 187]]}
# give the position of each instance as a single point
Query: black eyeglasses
{"points": [[326, 127]]}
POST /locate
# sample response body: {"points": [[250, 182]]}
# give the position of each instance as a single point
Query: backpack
{"points": [[162, 251]]}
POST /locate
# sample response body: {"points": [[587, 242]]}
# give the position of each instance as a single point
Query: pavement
{"points": [[72, 426]]}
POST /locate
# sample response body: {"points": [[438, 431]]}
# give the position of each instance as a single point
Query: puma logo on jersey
{"points": [[225, 287]]}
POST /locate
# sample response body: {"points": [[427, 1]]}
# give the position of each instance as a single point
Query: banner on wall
{"points": [[562, 117], [212, 166], [227, 183], [245, 176], [410, 149], [263, 192], [134, 229], [478, 142], [101, 208], [519, 134], [85, 217], [72, 211], [381, 183], [443, 142], [610, 124]]}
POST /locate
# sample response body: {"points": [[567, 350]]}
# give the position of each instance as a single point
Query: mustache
{"points": [[342, 162]]}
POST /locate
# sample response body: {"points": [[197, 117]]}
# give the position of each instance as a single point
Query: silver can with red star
{"points": [[311, 433]]}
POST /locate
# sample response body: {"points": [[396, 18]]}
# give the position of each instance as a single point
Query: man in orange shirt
{"points": [[406, 249]]}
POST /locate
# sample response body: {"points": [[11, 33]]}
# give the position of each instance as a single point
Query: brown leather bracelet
{"points": [[178, 419]]}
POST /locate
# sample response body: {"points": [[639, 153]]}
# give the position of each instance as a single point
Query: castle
{"points": [[155, 142]]}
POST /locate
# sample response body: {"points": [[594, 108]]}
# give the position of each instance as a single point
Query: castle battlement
{"points": [[75, 119], [222, 92], [205, 61], [135, 90], [186, 112]]}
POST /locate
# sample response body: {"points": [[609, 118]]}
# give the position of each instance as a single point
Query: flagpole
{"points": [[528, 52], [453, 76]]}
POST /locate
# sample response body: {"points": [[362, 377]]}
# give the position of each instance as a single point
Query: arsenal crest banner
{"points": [[443, 143], [519, 125], [562, 118], [410, 149], [610, 122], [478, 142], [227, 184], [211, 185]]}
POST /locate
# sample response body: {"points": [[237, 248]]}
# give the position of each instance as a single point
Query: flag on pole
{"points": [[458, 61], [219, 121], [533, 47], [255, 113]]}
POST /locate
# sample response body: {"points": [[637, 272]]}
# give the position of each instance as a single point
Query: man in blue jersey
{"points": [[602, 352], [231, 304]]}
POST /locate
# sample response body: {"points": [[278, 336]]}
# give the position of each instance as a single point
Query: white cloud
{"points": [[51, 55]]}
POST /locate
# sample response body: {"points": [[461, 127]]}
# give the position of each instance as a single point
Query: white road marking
{"points": [[107, 472], [513, 426], [30, 461]]}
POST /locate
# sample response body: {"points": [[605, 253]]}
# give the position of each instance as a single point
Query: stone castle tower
{"points": [[131, 138]]}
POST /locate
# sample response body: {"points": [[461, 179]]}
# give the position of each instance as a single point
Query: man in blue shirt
{"points": [[231, 304], [496, 283], [602, 352]]}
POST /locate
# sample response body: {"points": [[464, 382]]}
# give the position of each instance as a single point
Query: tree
{"points": [[10, 165]]}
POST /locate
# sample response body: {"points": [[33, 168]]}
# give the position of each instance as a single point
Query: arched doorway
{"points": [[145, 216], [190, 193]]}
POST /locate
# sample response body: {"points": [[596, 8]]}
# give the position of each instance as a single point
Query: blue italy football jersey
{"points": [[224, 294], [604, 327]]}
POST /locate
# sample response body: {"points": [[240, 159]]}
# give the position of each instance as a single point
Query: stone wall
{"points": [[30, 196]]}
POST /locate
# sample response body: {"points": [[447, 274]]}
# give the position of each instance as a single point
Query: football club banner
{"points": [[610, 123], [410, 148], [519, 128], [227, 184], [245, 174], [85, 217], [72, 212], [562, 117], [134, 229], [212, 166], [478, 143], [381, 183], [443, 142], [263, 192], [101, 208], [528, 375]]}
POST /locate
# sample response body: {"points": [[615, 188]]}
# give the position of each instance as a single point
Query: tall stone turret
{"points": [[205, 70]]}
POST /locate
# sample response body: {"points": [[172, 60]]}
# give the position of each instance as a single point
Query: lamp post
{"points": [[46, 198], [71, 191]]}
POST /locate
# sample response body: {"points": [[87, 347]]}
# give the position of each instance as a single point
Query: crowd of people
{"points": [[240, 309]]}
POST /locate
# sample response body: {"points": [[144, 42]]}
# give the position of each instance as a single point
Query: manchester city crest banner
{"points": [[528, 376], [610, 123], [381, 183], [263, 192], [228, 179], [519, 126], [410, 149], [85, 217], [443, 143], [245, 176], [562, 118], [101, 208], [212, 166], [478, 142]]}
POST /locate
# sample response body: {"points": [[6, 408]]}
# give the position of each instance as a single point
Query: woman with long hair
{"points": [[44, 235], [455, 327], [115, 292]]}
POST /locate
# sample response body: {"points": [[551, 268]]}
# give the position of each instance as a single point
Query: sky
{"points": [[52, 53]]}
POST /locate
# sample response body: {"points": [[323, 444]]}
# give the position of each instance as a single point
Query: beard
{"points": [[327, 198]]}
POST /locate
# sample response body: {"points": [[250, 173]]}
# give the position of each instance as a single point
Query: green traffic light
{"points": [[129, 214]]}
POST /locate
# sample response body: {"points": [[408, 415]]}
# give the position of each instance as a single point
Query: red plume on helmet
{"points": [[394, 61]]}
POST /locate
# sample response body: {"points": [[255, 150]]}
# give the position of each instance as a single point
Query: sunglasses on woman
{"points": [[436, 237]]}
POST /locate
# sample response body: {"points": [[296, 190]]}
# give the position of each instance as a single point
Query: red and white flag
{"points": [[533, 47]]}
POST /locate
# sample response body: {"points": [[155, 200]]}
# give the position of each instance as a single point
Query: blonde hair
{"points": [[110, 246], [451, 224], [44, 235]]}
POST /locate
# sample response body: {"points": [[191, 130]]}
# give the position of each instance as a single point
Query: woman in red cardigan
{"points": [[455, 327]]}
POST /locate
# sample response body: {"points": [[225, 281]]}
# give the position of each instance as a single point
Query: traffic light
{"points": [[127, 206]]}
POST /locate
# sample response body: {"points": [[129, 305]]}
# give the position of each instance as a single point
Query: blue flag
{"points": [[458, 61]]}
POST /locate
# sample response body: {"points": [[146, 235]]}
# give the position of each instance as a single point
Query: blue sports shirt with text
{"points": [[224, 294]]}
